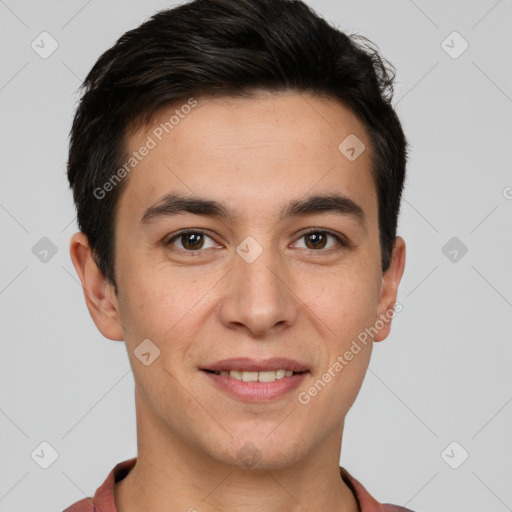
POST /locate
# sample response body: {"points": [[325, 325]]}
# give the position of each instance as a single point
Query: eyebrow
{"points": [[174, 204]]}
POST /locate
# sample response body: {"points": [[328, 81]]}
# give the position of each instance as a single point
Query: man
{"points": [[237, 171]]}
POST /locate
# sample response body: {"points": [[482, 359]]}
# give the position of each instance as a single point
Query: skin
{"points": [[295, 300]]}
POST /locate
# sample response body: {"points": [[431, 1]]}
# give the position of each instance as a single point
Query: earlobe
{"points": [[390, 281], [98, 292]]}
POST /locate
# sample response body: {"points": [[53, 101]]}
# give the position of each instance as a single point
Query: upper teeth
{"points": [[267, 376]]}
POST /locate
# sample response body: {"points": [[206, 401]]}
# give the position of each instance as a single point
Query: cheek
{"points": [[165, 307], [345, 301], [348, 309], [147, 290]]}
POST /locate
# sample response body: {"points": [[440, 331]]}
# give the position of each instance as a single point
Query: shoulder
{"points": [[103, 499], [366, 502]]}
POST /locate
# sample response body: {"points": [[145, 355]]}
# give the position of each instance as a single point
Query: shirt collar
{"points": [[104, 496]]}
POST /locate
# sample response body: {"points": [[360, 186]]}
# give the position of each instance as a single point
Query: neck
{"points": [[172, 475]]}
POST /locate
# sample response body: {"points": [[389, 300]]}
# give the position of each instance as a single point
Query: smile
{"points": [[250, 376]]}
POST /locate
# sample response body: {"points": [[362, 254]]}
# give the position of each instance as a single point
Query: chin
{"points": [[259, 452]]}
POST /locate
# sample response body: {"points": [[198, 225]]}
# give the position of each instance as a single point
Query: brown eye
{"points": [[317, 240], [190, 241]]}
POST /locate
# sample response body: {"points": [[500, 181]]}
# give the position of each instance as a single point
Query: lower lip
{"points": [[257, 391]]}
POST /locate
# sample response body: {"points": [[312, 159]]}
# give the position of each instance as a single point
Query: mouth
{"points": [[252, 376], [256, 380]]}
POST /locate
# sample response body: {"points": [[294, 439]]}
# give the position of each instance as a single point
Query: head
{"points": [[247, 123]]}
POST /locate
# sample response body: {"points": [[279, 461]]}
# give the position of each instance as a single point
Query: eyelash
{"points": [[343, 243]]}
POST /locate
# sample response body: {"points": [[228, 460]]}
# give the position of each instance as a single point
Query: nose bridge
{"points": [[259, 296], [261, 276]]}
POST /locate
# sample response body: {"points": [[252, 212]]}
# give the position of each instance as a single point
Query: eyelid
{"points": [[343, 241], [186, 231]]}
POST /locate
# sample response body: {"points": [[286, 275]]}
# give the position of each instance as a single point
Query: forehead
{"points": [[250, 153]]}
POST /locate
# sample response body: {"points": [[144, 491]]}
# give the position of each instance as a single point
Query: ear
{"points": [[99, 294], [390, 281]]}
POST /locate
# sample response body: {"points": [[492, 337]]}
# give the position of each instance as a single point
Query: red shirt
{"points": [[103, 500]]}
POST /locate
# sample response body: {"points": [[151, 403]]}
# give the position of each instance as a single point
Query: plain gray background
{"points": [[439, 387]]}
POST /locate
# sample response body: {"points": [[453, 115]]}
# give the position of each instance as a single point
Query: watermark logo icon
{"points": [[44, 45], [44, 455], [454, 455], [146, 352], [351, 147], [249, 250], [454, 45], [249, 455], [454, 249], [44, 250]]}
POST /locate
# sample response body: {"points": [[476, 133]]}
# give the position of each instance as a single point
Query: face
{"points": [[274, 265]]}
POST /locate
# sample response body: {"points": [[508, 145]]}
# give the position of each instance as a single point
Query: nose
{"points": [[259, 297]]}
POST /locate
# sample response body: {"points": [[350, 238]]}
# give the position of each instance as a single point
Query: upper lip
{"points": [[257, 365]]}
